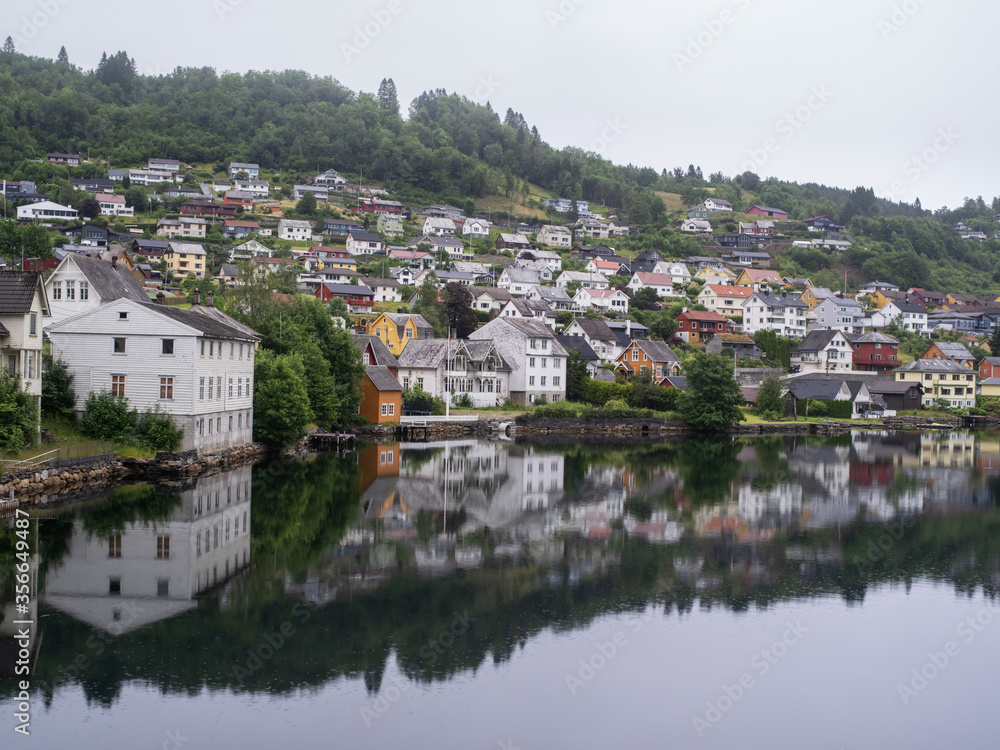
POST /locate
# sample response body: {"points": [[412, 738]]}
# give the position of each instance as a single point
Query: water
{"points": [[806, 593]]}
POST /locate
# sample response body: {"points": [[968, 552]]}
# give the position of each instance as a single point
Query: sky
{"points": [[889, 94]]}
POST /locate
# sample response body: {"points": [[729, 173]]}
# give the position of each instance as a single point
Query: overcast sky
{"points": [[890, 94]]}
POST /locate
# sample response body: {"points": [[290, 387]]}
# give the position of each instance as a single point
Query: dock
{"points": [[332, 441]]}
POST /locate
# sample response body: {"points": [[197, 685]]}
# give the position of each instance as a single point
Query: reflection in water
{"points": [[370, 557]]}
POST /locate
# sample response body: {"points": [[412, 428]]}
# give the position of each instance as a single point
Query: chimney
{"points": [[210, 300], [161, 298], [114, 261], [196, 297]]}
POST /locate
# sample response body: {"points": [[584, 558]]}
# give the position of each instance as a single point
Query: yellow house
{"points": [[882, 299], [941, 379], [396, 330], [721, 276], [756, 277], [725, 300], [185, 259], [812, 296]]}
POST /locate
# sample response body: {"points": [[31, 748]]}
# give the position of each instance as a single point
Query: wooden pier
{"points": [[331, 441], [413, 431]]}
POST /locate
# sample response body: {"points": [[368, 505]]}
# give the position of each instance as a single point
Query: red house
{"points": [[875, 352], [204, 208], [238, 198], [72, 160], [379, 206], [774, 213], [988, 368], [359, 298], [694, 325]]}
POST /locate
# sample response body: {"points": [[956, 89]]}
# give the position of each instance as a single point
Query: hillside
{"points": [[446, 149]]}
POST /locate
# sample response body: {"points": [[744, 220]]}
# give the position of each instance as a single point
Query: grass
{"points": [[72, 443], [672, 201]]}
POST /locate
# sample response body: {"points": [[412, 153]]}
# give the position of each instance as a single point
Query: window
{"points": [[232, 348], [218, 424], [122, 316], [556, 380], [119, 347], [85, 290], [201, 388], [635, 355], [531, 380], [197, 548], [203, 347], [166, 388], [409, 332], [163, 547], [162, 587], [239, 421], [211, 348], [166, 346], [218, 387], [392, 409], [70, 290], [385, 410], [115, 545], [118, 386], [543, 381], [531, 361], [533, 343], [556, 362], [230, 422], [115, 586], [230, 387], [57, 290], [545, 343]]}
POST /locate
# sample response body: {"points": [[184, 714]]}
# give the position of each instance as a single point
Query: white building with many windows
{"points": [[536, 359], [196, 365]]}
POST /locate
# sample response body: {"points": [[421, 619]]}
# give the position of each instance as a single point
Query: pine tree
{"points": [[387, 100], [8, 45], [63, 55]]}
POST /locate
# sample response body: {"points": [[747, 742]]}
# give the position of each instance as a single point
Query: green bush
{"points": [[598, 393], [17, 416], [107, 417], [978, 412], [989, 403], [155, 429], [58, 398], [555, 410], [462, 401]]}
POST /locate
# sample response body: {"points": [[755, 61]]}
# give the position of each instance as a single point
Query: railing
{"points": [[28, 463]]}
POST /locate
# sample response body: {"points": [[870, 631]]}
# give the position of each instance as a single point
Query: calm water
{"points": [[774, 593]]}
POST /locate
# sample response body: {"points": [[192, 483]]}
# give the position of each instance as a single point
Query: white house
{"points": [[235, 167], [717, 204], [841, 314], [536, 359], [556, 298], [678, 272], [24, 306], [45, 210], [823, 351], [331, 179], [386, 290], [517, 280], [554, 236], [660, 283], [196, 365], [186, 226], [782, 313], [163, 165], [149, 177], [436, 227], [590, 280], [447, 369], [256, 188], [477, 229], [607, 300], [322, 194], [249, 249], [598, 335], [450, 246], [546, 257], [114, 205], [294, 229], [488, 298], [696, 225], [539, 267], [521, 307], [363, 243], [911, 316], [81, 283]]}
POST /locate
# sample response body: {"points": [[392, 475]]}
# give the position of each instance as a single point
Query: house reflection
{"points": [[147, 572]]}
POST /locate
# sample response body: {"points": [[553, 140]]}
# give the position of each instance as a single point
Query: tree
{"points": [[280, 400], [458, 309], [136, 197], [338, 309], [712, 397], [429, 305], [307, 204], [58, 397], [386, 97], [90, 208], [645, 298], [17, 415], [769, 403], [63, 56], [8, 45], [995, 341]]}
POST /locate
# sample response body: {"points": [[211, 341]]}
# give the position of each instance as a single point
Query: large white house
{"points": [[446, 369], [660, 283], [823, 351], [782, 313], [82, 283], [23, 309], [537, 360], [607, 300], [45, 210], [590, 280], [839, 313], [196, 365], [294, 229]]}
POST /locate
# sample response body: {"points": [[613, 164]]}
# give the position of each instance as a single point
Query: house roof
{"points": [[514, 239], [108, 281], [374, 282], [359, 235], [500, 295], [995, 361], [703, 315], [553, 294], [821, 389], [594, 329], [524, 275], [721, 290], [17, 291], [229, 269], [954, 350], [654, 279], [424, 352], [934, 365], [207, 320], [657, 351], [779, 300], [816, 340], [906, 306], [601, 293], [382, 379], [874, 338], [188, 248], [355, 289], [765, 208], [759, 274], [578, 343]]}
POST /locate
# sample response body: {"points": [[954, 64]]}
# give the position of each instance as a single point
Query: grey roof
{"points": [[658, 351], [370, 281], [17, 291], [424, 329], [885, 385], [578, 343], [816, 340], [595, 329], [953, 350], [822, 389], [523, 275], [779, 300], [906, 306], [875, 338], [506, 331], [110, 282], [382, 354], [935, 365], [554, 294], [677, 381], [209, 321], [349, 289], [363, 236], [229, 269], [424, 353], [382, 379], [992, 360], [500, 295]]}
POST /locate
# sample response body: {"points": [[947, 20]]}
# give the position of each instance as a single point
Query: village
{"points": [[110, 302]]}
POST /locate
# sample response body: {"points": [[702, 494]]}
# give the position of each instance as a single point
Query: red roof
{"points": [[703, 315], [729, 291], [234, 223]]}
